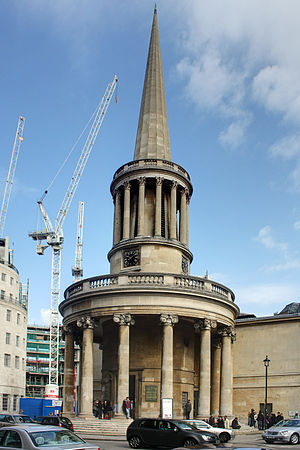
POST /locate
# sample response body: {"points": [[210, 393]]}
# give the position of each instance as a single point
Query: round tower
{"points": [[165, 336]]}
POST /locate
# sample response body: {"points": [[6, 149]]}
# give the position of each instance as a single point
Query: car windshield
{"points": [[184, 425], [24, 419], [54, 437], [65, 420], [288, 423]]}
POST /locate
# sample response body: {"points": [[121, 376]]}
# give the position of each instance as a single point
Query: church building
{"points": [[166, 336]]}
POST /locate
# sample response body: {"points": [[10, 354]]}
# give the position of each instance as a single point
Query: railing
{"points": [[151, 162], [11, 300], [124, 280], [5, 263]]}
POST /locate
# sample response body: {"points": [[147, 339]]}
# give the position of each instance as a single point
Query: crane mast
{"points": [[54, 236], [77, 271], [11, 172]]}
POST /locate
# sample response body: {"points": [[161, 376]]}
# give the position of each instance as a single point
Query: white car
{"points": [[223, 434]]}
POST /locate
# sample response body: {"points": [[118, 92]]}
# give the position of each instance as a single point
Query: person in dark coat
{"points": [[212, 421], [260, 420], [220, 422], [188, 409], [99, 410], [235, 424], [279, 417]]}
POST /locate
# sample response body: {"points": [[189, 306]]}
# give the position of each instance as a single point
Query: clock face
{"points": [[131, 258], [185, 265]]}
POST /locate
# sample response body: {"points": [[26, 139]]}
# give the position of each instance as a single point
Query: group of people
{"points": [[261, 421], [102, 410], [223, 422], [128, 408]]}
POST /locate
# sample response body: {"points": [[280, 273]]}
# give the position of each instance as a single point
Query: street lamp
{"points": [[266, 364]]}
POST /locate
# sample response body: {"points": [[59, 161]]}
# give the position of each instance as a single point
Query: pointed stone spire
{"points": [[152, 140]]}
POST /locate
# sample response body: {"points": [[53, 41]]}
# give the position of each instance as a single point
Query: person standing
{"points": [[126, 407], [226, 422], [188, 409]]}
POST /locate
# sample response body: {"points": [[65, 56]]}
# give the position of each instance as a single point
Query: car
{"points": [[166, 433], [59, 421], [223, 434], [6, 419], [33, 437], [287, 430]]}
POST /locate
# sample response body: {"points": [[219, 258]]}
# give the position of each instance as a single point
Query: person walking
{"points": [[126, 407], [188, 409], [260, 420]]}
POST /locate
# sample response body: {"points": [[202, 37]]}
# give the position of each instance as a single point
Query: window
{"points": [[2, 294], [18, 318], [3, 276], [17, 362], [7, 338], [24, 342], [8, 315], [11, 297], [5, 402], [7, 359], [23, 363], [17, 341], [15, 403], [11, 281], [12, 439]]}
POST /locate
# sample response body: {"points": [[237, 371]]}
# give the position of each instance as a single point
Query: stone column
{"points": [[124, 320], [117, 218], [205, 326], [183, 217], [68, 389], [215, 382], [141, 208], [159, 182], [187, 218], [126, 214], [173, 218], [228, 335], [168, 321], [86, 391]]}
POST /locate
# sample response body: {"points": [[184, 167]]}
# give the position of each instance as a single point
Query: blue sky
{"points": [[232, 85]]}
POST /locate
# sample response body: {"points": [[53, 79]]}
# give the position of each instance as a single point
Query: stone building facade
{"points": [[164, 333], [13, 325]]}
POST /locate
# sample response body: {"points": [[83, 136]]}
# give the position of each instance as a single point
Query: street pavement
{"points": [[241, 440]]}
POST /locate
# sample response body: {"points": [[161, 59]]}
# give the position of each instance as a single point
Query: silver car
{"points": [[287, 430], [223, 434], [33, 437]]}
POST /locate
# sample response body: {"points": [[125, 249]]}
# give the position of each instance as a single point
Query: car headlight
{"points": [[208, 438], [284, 432]]}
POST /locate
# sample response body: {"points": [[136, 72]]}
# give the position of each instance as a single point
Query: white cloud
{"points": [[287, 261], [265, 299], [287, 147], [297, 225]]}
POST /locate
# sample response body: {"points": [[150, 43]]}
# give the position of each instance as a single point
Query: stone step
{"points": [[114, 427]]}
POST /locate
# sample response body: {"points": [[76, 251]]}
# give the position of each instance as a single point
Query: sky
{"points": [[231, 72]]}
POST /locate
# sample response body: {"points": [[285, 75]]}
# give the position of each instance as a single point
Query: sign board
{"points": [[51, 391], [167, 408], [151, 393]]}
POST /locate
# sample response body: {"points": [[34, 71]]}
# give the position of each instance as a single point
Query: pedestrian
{"points": [[126, 407], [279, 417], [260, 420], [226, 422], [99, 410], [132, 409], [251, 418], [188, 409], [272, 420], [95, 408], [220, 422], [235, 424], [212, 421]]}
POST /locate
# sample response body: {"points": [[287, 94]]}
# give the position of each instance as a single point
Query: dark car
{"points": [[12, 419], [59, 421], [166, 433]]}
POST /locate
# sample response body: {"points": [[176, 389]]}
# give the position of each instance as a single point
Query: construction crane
{"points": [[77, 271], [54, 235], [11, 172]]}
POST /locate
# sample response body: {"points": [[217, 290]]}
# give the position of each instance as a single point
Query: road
{"points": [[241, 440]]}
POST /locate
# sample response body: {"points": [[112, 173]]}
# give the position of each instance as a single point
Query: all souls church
{"points": [[166, 336]]}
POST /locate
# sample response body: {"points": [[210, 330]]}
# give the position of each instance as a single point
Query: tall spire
{"points": [[152, 139]]}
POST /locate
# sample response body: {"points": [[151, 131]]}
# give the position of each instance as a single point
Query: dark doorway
{"points": [[132, 395], [196, 398]]}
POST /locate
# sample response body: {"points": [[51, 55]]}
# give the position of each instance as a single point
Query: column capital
{"points": [[217, 343], [127, 185], [86, 322], [67, 329], [174, 184], [228, 332], [124, 319], [168, 319], [117, 193], [159, 180], [205, 324], [142, 180]]}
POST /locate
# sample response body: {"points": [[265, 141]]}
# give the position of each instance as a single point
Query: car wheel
{"points": [[224, 437], [190, 442], [135, 442], [294, 440]]}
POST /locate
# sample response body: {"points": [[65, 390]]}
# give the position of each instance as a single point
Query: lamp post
{"points": [[266, 364]]}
